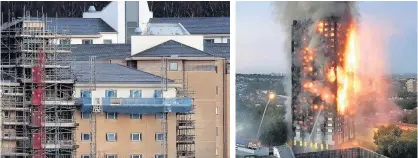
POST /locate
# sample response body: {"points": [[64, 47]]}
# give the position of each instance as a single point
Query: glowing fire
{"points": [[348, 84]]}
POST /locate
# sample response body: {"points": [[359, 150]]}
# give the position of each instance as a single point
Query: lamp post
{"points": [[271, 96]]}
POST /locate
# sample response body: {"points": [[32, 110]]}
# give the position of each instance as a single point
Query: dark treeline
{"points": [[76, 8]]}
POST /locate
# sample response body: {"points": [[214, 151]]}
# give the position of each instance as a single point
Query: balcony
{"points": [[138, 105]]}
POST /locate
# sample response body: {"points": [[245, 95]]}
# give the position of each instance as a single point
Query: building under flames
{"points": [[318, 122]]}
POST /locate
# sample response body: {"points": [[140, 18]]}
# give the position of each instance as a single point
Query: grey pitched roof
{"points": [[78, 26], [115, 74], [82, 52], [217, 49], [199, 25], [170, 48]]}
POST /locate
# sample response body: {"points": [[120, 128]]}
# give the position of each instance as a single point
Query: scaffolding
{"points": [[185, 128], [36, 90]]}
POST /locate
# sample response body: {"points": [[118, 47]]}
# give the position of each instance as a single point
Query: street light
{"points": [[272, 95]]}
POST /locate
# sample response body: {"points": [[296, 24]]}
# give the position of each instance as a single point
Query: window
{"points": [[85, 156], [159, 136], [173, 66], [216, 90], [159, 116], [217, 131], [65, 41], [228, 40], [227, 68], [85, 137], [136, 137], [157, 94], [111, 94], [111, 116], [216, 152], [135, 94], [112, 156], [85, 94], [209, 40], [111, 137], [136, 156], [6, 114], [85, 115], [136, 116], [107, 41], [88, 41], [159, 156], [216, 110]]}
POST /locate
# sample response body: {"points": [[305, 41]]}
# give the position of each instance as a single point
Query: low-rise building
{"points": [[411, 85], [127, 114]]}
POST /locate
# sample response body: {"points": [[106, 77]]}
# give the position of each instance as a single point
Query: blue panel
{"points": [[140, 105], [85, 94]]}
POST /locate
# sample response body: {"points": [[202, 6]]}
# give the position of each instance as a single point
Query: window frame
{"points": [[176, 66], [62, 41], [82, 137], [111, 133], [139, 155], [160, 118], [85, 156], [209, 40], [109, 155], [132, 93], [156, 136], [114, 93], [132, 118], [83, 41], [6, 114], [139, 136], [104, 41], [158, 155], [83, 117], [115, 116]]}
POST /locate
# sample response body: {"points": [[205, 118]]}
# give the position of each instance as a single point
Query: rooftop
{"points": [[77, 26], [172, 48], [114, 74], [82, 52], [199, 25]]}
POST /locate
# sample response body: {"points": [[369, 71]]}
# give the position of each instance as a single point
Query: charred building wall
{"points": [[317, 125]]}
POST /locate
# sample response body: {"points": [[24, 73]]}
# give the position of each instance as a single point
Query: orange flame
{"points": [[346, 75]]}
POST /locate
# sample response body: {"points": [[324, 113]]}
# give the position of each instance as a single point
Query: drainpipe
{"points": [[224, 109]]}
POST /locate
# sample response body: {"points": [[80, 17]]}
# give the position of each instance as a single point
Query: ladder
{"points": [[96, 105], [164, 81]]}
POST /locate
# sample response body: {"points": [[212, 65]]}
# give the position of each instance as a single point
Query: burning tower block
{"points": [[317, 52]]}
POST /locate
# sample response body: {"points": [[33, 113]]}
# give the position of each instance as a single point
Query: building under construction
{"points": [[317, 123], [167, 97], [37, 104]]}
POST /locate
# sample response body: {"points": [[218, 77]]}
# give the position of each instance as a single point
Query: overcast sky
{"points": [[260, 46]]}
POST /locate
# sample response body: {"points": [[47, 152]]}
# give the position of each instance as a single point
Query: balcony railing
{"points": [[138, 105]]}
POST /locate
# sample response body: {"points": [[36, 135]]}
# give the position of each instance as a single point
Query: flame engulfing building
{"points": [[320, 117]]}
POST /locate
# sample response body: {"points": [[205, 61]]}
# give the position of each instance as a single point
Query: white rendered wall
{"points": [[125, 92], [114, 15], [100, 40], [141, 43], [219, 39]]}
